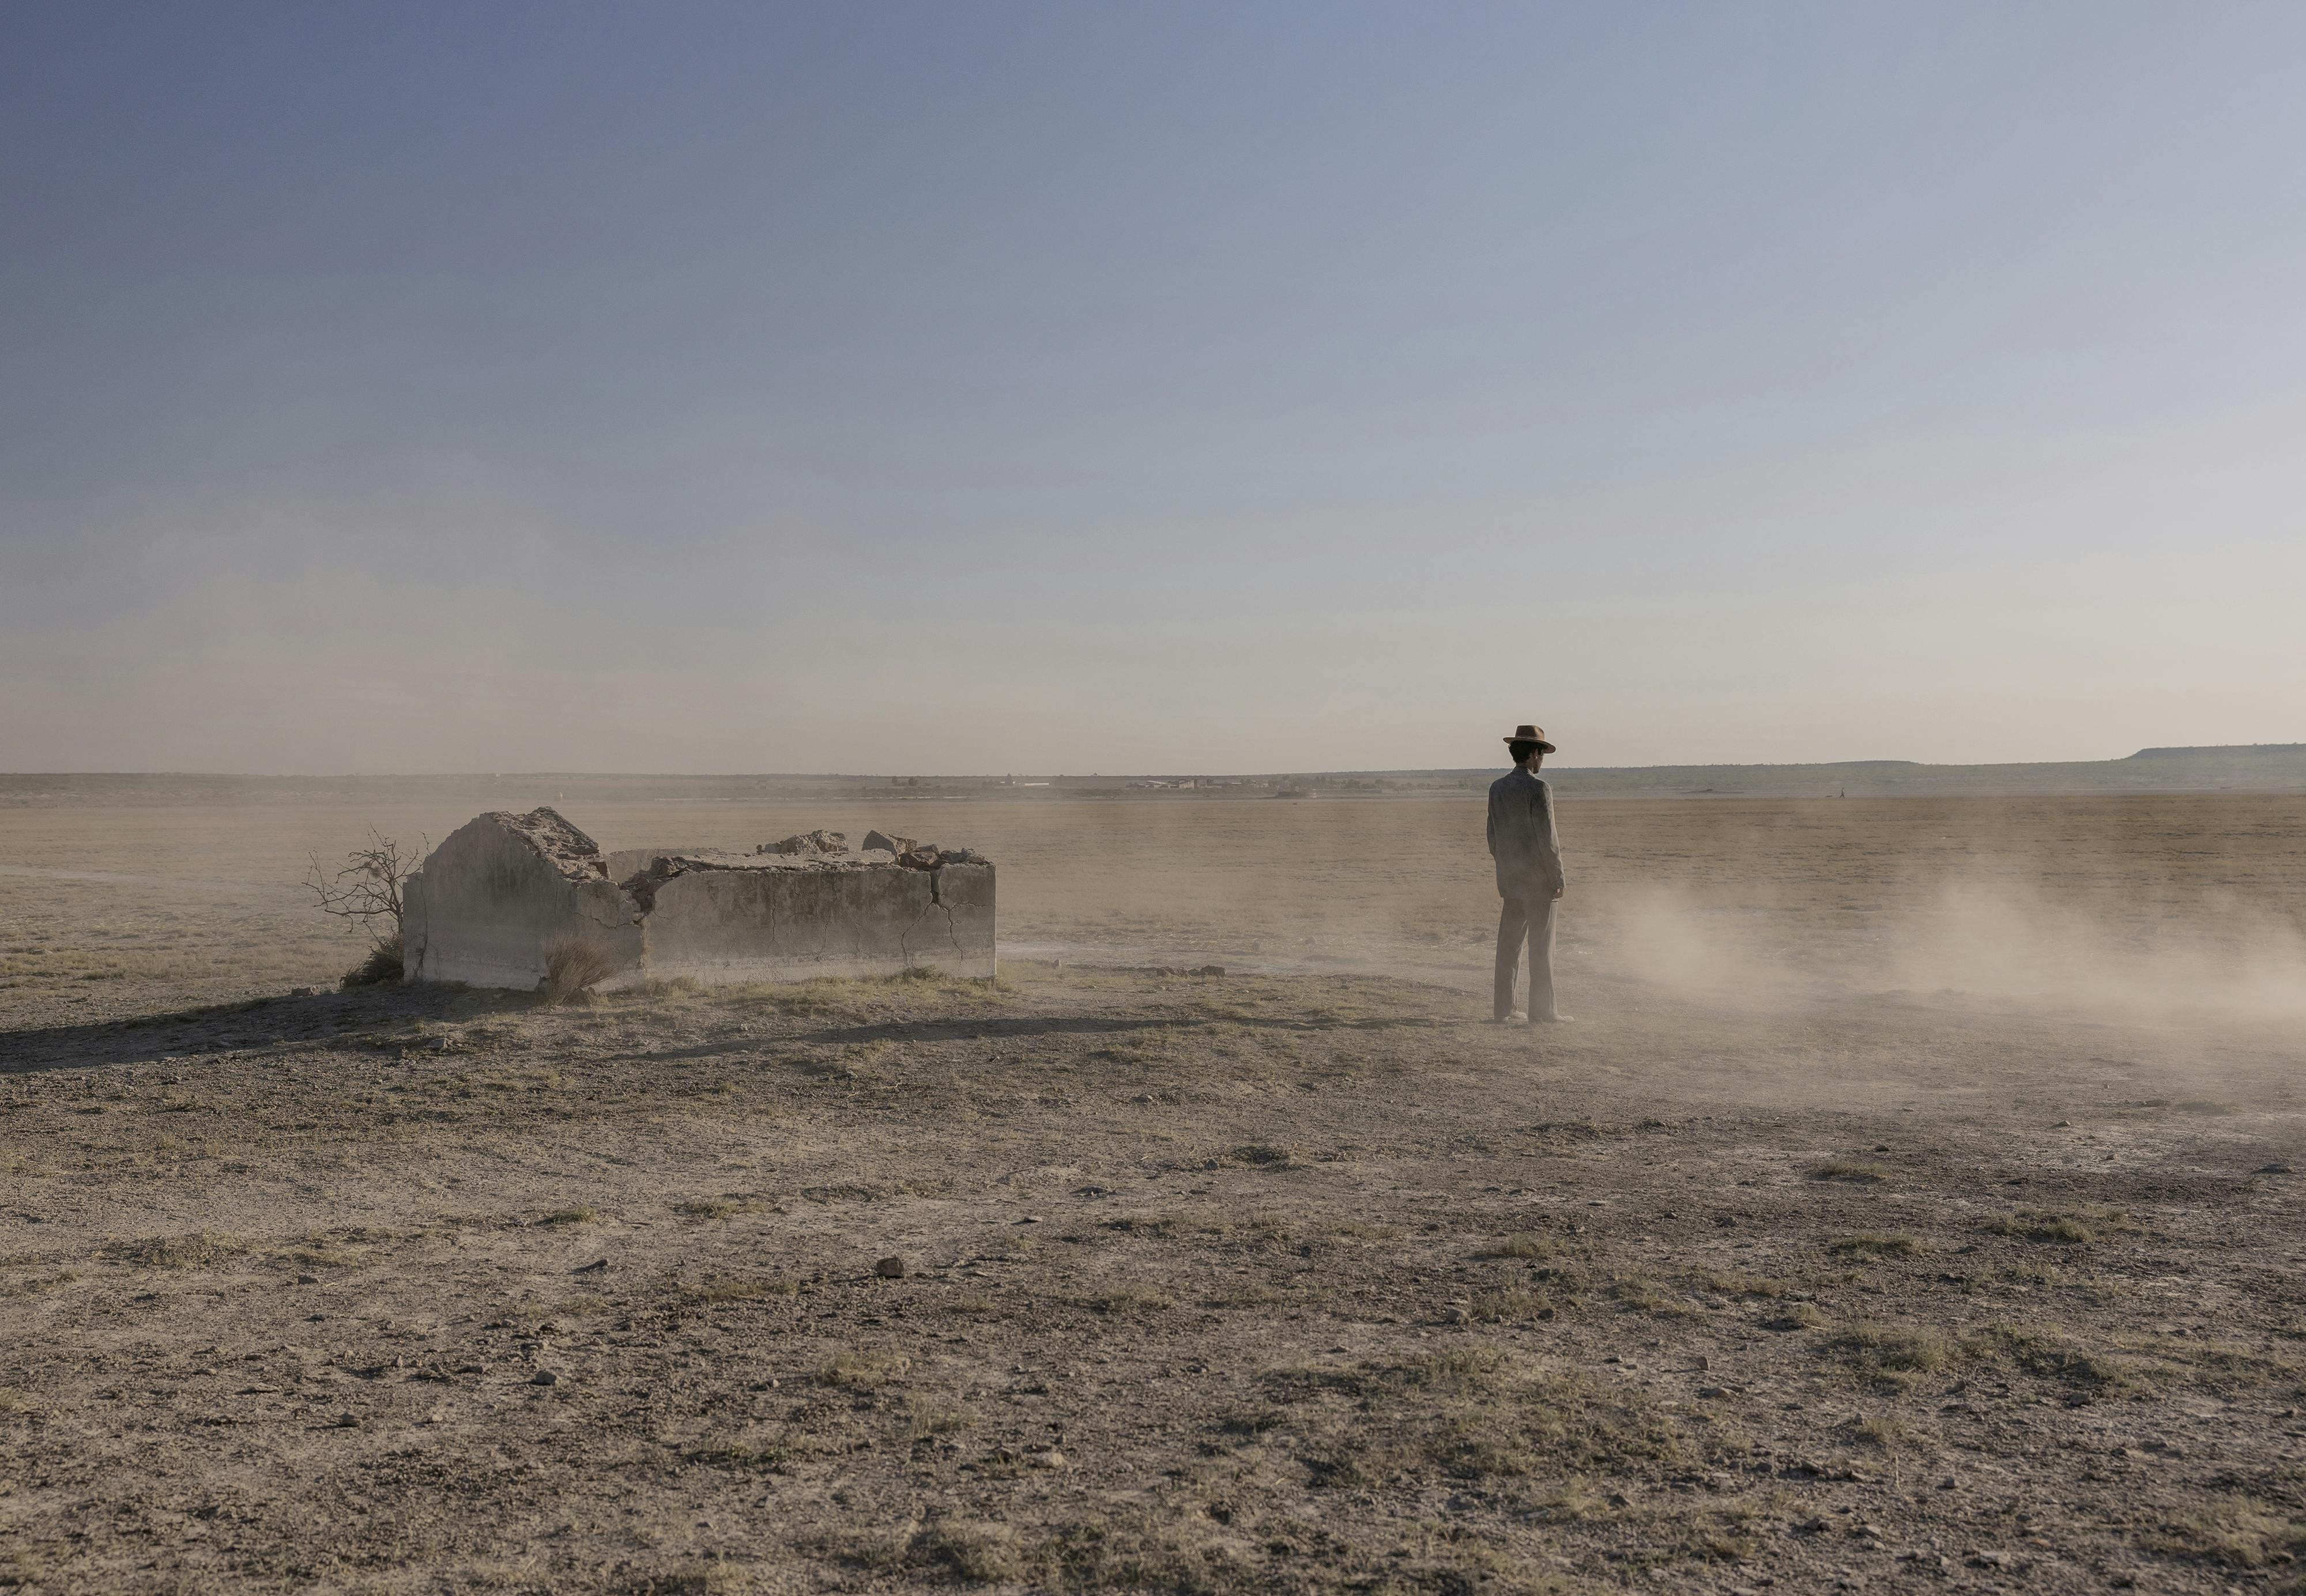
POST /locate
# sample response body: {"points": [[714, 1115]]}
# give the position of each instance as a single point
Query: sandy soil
{"points": [[1907, 1209]]}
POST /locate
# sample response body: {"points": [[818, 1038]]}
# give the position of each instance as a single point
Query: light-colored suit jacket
{"points": [[1522, 837]]}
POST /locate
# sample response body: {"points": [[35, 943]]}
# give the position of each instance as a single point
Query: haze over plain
{"points": [[1204, 387]]}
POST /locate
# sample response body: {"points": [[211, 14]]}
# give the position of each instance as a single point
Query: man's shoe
{"points": [[1551, 1019], [1505, 1019]]}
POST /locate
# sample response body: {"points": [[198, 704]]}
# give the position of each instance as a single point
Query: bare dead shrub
{"points": [[364, 890], [572, 965]]}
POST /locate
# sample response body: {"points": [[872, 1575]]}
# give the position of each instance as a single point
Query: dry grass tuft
{"points": [[863, 1370], [1522, 1245], [2070, 1226], [744, 1288], [573, 965], [1869, 1243], [1849, 1170], [2234, 1530], [1903, 1349], [2054, 1357], [383, 967], [192, 1251], [1497, 1307]]}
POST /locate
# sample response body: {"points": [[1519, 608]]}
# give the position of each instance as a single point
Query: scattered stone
{"points": [[544, 1376], [1456, 1316], [891, 1268], [2275, 1168], [882, 842], [1713, 1391], [1050, 1459], [595, 1268], [308, 1280]]}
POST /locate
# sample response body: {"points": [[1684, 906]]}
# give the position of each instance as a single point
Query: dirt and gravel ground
{"points": [[1757, 1278]]}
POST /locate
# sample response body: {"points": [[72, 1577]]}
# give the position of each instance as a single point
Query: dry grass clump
{"points": [[1466, 1413], [1849, 1170], [1125, 1300], [2054, 1357], [1732, 1283], [2070, 1226], [768, 1455], [744, 1288], [1641, 1294], [382, 967], [192, 1250], [863, 1370], [1869, 1243], [579, 1214], [1489, 1308], [2232, 1530], [1522, 1245], [1896, 1349], [572, 965], [926, 1420]]}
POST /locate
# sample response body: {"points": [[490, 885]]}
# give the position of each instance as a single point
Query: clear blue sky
{"points": [[1067, 388]]}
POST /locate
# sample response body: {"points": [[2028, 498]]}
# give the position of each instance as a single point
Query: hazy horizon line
{"points": [[1164, 773]]}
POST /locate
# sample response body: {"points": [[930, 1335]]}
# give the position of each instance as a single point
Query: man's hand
{"points": [[1557, 887]]}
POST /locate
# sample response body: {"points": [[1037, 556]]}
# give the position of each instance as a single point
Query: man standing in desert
{"points": [[1528, 852]]}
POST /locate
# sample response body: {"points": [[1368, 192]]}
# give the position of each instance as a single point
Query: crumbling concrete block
{"points": [[808, 842], [501, 890], [493, 898]]}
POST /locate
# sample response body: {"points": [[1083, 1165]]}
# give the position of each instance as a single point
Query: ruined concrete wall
{"points": [[493, 898], [717, 925]]}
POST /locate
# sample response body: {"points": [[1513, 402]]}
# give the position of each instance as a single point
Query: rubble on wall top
{"points": [[560, 844], [807, 843], [643, 884]]}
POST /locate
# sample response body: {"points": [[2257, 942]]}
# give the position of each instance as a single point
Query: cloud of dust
{"points": [[2208, 957]]}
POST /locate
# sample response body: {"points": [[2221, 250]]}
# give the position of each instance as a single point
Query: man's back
{"points": [[1522, 835]]}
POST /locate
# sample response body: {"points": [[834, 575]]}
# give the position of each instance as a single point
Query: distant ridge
{"points": [[2243, 750]]}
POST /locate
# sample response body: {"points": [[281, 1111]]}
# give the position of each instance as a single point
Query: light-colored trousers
{"points": [[1526, 918]]}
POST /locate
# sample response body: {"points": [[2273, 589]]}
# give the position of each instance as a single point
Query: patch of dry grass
{"points": [[193, 1250], [574, 965], [1850, 1171], [743, 1288], [1881, 1348], [1869, 1243], [2234, 1530], [1520, 1245], [863, 1369], [1494, 1307], [2053, 1356]]}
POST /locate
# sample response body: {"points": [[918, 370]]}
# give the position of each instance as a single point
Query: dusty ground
{"points": [[1855, 1236]]}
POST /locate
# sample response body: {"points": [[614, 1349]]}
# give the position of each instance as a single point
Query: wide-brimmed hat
{"points": [[1532, 734]]}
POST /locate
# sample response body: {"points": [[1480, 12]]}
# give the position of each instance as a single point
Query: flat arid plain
{"points": [[1910, 1207]]}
